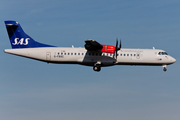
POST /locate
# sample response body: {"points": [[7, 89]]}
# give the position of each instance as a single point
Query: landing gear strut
{"points": [[164, 68], [97, 66]]}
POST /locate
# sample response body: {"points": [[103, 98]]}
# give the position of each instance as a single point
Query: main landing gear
{"points": [[164, 68], [97, 66]]}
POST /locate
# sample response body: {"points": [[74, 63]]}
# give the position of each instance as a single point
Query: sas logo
{"points": [[21, 41], [158, 59]]}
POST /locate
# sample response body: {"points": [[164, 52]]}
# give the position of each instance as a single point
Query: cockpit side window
{"points": [[159, 53], [162, 53], [165, 53]]}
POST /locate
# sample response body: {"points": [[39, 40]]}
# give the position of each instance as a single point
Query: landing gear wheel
{"points": [[164, 69], [97, 68]]}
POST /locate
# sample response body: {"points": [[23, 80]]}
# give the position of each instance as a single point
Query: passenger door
{"points": [[48, 55]]}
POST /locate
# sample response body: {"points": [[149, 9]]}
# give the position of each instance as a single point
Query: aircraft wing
{"points": [[92, 45]]}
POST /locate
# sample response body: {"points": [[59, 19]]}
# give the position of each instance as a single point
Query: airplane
{"points": [[94, 54]]}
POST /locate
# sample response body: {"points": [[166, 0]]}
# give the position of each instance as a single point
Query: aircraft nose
{"points": [[173, 60]]}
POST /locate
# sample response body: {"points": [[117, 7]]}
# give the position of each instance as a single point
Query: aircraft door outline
{"points": [[48, 55]]}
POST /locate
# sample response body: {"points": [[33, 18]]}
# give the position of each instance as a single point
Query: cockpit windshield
{"points": [[162, 53]]}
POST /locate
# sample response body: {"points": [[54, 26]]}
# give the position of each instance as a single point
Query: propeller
{"points": [[117, 48]]}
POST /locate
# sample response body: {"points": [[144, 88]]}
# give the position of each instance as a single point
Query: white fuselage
{"points": [[64, 55]]}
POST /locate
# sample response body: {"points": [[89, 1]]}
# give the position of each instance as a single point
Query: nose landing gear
{"points": [[164, 68]]}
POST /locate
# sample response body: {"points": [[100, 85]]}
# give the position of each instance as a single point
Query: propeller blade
{"points": [[116, 43], [116, 49], [120, 45]]}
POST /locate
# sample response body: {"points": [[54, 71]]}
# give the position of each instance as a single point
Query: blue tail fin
{"points": [[19, 39]]}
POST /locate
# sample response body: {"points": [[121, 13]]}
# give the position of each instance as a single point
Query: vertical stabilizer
{"points": [[19, 39]]}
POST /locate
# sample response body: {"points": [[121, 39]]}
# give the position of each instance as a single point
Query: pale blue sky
{"points": [[33, 90]]}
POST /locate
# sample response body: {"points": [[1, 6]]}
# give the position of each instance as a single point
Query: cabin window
{"points": [[68, 53], [89, 53], [71, 53], [64, 53], [131, 54], [61, 53], [127, 54], [124, 54], [134, 54], [82, 53], [74, 53], [78, 53]]}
